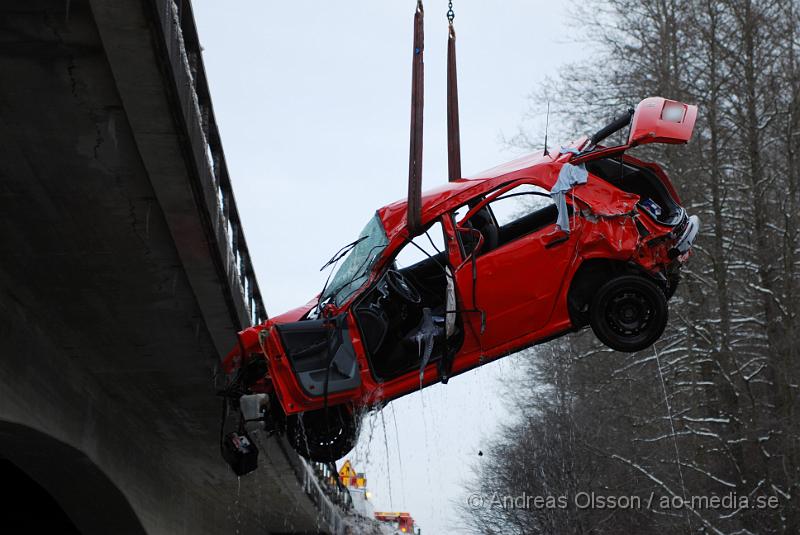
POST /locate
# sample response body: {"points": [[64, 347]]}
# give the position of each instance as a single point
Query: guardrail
{"points": [[213, 187], [214, 193], [338, 493]]}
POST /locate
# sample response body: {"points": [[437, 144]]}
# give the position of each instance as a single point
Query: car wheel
{"points": [[628, 313], [323, 435]]}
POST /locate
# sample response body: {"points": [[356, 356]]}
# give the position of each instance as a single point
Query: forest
{"points": [[712, 409]]}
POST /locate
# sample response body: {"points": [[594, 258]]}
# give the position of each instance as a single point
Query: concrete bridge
{"points": [[124, 276]]}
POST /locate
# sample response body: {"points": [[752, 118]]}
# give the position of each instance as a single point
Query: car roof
{"points": [[450, 195]]}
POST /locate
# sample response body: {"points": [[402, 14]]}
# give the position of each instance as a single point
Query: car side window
{"points": [[519, 203], [521, 210]]}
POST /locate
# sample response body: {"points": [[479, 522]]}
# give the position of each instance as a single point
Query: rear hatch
{"points": [[655, 120], [660, 120]]}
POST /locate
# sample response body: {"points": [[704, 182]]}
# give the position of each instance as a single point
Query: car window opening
{"points": [[518, 212], [404, 318]]}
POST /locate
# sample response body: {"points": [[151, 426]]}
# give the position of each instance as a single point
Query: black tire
{"points": [[629, 313], [323, 435]]}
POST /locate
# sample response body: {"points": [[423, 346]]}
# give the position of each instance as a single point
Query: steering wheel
{"points": [[402, 287]]}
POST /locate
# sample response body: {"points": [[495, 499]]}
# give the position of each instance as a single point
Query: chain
{"points": [[450, 13]]}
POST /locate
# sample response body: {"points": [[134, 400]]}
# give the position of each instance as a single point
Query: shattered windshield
{"points": [[355, 269]]}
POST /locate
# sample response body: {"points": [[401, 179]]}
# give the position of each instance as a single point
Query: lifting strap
{"points": [[453, 136], [414, 216]]}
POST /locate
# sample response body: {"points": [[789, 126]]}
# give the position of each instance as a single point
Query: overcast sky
{"points": [[312, 101]]}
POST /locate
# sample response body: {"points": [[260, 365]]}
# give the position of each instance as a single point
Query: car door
{"points": [[320, 354], [516, 276]]}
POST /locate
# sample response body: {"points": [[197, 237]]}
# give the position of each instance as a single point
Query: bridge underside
{"points": [[113, 310]]}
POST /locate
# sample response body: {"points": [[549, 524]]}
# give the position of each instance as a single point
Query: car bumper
{"points": [[686, 238]]}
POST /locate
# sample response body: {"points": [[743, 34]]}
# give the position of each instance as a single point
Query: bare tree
{"points": [[712, 410]]}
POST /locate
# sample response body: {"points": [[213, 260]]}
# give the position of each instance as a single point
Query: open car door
{"points": [[660, 120], [320, 354]]}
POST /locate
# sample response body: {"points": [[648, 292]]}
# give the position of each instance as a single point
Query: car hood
{"points": [[294, 314]]}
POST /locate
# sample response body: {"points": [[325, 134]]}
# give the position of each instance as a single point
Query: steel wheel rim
{"points": [[629, 313]]}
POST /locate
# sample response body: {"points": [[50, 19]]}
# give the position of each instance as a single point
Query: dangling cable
{"points": [[414, 216], [453, 130], [674, 436]]}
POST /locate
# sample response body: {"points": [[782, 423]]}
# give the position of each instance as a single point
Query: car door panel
{"points": [[321, 354], [516, 285]]}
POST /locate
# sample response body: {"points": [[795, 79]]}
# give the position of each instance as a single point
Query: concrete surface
{"points": [[123, 278]]}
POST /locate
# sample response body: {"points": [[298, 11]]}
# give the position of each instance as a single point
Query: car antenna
{"points": [[546, 128]]}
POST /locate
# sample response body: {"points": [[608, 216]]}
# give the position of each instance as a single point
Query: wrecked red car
{"points": [[494, 271]]}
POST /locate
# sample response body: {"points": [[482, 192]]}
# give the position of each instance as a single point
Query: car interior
{"points": [[403, 317], [409, 303], [642, 182]]}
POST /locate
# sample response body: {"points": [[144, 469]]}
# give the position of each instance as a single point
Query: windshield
{"points": [[354, 270]]}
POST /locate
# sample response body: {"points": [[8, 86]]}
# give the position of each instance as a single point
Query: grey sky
{"points": [[312, 100]]}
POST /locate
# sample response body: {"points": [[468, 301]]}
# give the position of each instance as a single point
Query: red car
{"points": [[491, 274]]}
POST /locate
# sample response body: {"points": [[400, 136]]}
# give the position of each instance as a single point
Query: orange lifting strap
{"points": [[453, 136], [414, 216], [417, 100]]}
